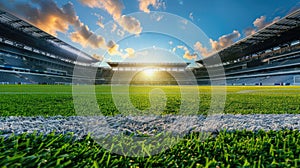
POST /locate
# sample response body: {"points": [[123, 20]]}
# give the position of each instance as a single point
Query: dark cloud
{"points": [[46, 15]]}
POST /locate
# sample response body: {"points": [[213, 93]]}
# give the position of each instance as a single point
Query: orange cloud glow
{"points": [[144, 5]]}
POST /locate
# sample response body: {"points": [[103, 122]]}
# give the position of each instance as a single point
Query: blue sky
{"points": [[122, 32]]}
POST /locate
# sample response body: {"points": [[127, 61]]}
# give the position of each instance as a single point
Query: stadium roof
{"points": [[18, 30], [283, 31], [145, 64]]}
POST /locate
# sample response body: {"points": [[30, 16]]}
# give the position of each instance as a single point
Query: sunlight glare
{"points": [[149, 72]]}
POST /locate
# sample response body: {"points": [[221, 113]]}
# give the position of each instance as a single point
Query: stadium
{"points": [[268, 57], [258, 127]]}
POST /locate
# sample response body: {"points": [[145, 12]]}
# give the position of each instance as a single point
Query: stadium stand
{"points": [[29, 55], [164, 73], [271, 56], [11, 78]]}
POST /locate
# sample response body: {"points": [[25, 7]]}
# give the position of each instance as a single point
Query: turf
{"points": [[237, 149], [45, 100], [223, 149]]}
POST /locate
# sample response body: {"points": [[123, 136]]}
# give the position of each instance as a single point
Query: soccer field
{"points": [[280, 148], [52, 100]]}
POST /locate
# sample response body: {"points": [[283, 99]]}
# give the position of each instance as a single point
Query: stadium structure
{"points": [[29, 55]]}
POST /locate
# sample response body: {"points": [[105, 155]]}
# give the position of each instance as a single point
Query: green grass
{"points": [[238, 149], [226, 149], [36, 100]]}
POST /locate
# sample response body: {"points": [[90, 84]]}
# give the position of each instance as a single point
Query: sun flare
{"points": [[149, 72]]}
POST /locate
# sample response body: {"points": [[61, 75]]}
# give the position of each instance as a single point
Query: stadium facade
{"points": [[29, 55], [271, 56]]}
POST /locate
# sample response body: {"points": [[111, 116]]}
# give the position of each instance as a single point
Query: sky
{"points": [[119, 30]]}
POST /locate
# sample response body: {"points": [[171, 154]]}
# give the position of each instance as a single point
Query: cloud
{"points": [[90, 3], [100, 24], [130, 24], [174, 50], [191, 16], [46, 15], [85, 37], [99, 20], [113, 7], [187, 54], [183, 48], [120, 33], [225, 40], [249, 31], [144, 5], [259, 23], [130, 53], [159, 17], [114, 28], [201, 49], [113, 48]]}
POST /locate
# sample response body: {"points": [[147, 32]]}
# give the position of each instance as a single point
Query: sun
{"points": [[149, 72]]}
